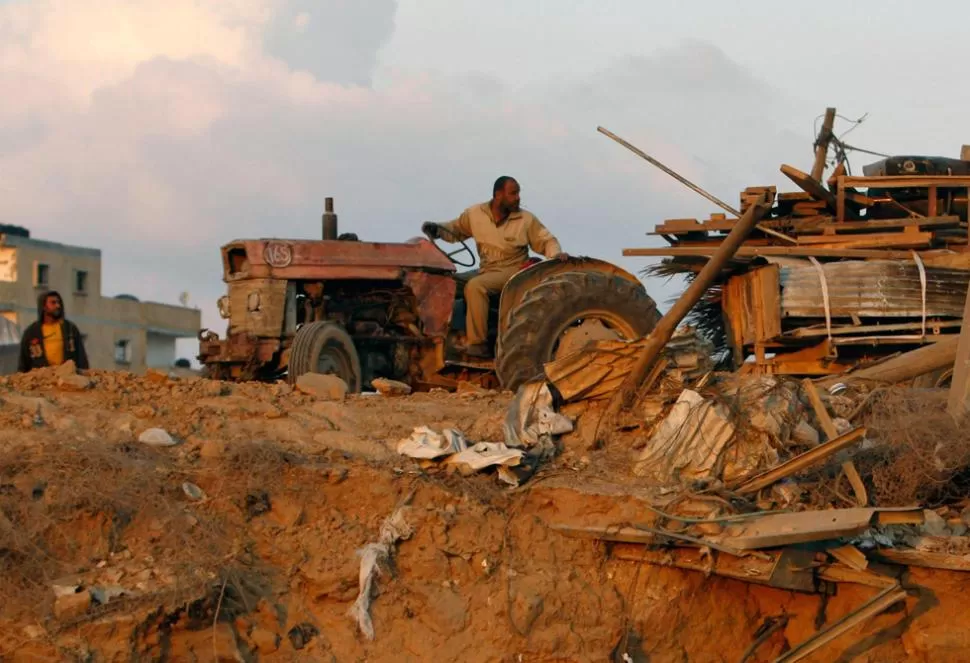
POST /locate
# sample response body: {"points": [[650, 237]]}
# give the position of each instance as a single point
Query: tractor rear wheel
{"points": [[324, 347], [560, 315]]}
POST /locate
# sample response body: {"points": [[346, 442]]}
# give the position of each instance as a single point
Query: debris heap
{"points": [[839, 272]]}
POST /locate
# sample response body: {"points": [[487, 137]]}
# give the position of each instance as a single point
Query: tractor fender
{"points": [[528, 278]]}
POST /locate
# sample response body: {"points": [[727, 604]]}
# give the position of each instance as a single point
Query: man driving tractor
{"points": [[504, 234]]}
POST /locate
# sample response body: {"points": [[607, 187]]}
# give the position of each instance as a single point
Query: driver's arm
{"points": [[541, 240], [457, 230]]}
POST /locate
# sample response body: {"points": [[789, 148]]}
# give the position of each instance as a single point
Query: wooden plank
{"points": [[850, 556], [643, 534], [905, 181], [906, 366], [840, 203], [800, 227], [931, 326], [831, 433], [840, 573], [752, 569], [958, 400], [785, 529], [802, 462], [877, 604], [680, 225], [875, 240], [772, 251], [819, 359], [934, 552], [751, 303], [809, 185], [930, 560], [617, 534], [749, 568]]}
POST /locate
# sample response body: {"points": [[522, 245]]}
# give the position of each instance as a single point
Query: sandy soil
{"points": [[239, 542]]}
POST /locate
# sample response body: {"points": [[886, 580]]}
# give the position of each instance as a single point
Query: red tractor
{"points": [[363, 310]]}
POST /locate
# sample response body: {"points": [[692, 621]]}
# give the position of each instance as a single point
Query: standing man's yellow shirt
{"points": [[53, 343]]}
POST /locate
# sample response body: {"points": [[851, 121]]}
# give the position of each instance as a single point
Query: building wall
{"points": [[106, 322], [160, 351]]}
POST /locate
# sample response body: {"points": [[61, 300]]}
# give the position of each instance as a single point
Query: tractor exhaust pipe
{"points": [[329, 220]]}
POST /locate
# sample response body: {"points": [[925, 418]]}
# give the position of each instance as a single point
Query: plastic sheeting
{"points": [[725, 438], [426, 444], [532, 419], [372, 557]]}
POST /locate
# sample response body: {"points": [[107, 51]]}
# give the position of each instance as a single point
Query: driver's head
{"points": [[505, 192]]}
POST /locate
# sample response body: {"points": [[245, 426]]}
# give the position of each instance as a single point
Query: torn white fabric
{"points": [[427, 444], [372, 557], [486, 454], [532, 419]]}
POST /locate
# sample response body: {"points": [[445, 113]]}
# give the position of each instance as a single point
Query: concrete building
{"points": [[120, 332]]}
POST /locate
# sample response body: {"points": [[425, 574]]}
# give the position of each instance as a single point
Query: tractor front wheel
{"points": [[324, 347], [564, 313]]}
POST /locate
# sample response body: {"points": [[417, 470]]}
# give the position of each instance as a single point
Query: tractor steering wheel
{"points": [[451, 256]]}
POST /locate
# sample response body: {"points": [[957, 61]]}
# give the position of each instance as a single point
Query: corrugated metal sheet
{"points": [[872, 289]]}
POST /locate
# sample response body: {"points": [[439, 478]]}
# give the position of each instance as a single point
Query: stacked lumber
{"points": [[837, 272]]}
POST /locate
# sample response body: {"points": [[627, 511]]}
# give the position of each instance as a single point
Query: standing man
{"points": [[504, 234], [52, 340]]}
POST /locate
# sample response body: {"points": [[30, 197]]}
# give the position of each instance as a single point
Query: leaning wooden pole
{"points": [[661, 334], [822, 144]]}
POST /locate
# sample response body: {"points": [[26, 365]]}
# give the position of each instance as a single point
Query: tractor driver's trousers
{"points": [[477, 291]]}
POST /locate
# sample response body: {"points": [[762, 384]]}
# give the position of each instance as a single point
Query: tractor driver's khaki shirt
{"points": [[502, 245]]}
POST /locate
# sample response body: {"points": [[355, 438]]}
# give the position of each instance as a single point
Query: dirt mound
{"points": [[239, 541]]}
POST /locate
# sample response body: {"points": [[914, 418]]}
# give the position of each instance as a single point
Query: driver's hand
{"points": [[432, 230]]}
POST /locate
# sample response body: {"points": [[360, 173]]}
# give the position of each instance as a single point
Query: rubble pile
{"points": [[185, 519], [843, 271]]}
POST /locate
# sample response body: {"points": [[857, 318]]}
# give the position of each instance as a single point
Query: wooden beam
{"points": [[906, 366], [877, 604], [815, 227], [831, 433], [958, 401], [905, 181], [773, 251], [808, 332], [792, 528], [809, 185], [668, 324], [801, 462], [849, 241]]}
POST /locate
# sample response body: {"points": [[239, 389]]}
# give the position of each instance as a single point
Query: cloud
{"points": [[335, 40], [164, 134]]}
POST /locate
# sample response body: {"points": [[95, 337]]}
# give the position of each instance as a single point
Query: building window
{"points": [[80, 282], [42, 275], [123, 351]]}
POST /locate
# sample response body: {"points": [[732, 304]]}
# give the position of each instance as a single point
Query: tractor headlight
{"points": [[252, 302], [223, 304]]}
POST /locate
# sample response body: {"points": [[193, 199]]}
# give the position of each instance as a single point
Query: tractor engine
{"points": [[380, 317]]}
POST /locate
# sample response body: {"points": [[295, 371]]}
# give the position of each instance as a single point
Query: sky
{"points": [[159, 131]]}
